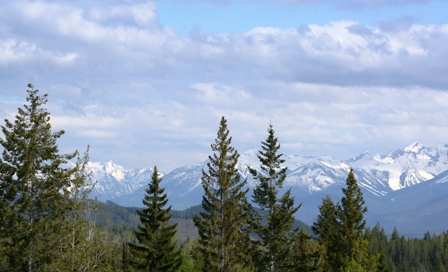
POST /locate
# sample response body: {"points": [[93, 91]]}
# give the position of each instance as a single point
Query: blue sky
{"points": [[145, 83], [242, 16]]}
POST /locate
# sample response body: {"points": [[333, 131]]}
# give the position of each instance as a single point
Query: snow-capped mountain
{"points": [[410, 180], [183, 186], [113, 181], [405, 167]]}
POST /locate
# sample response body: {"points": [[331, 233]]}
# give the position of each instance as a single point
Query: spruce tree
{"points": [[308, 253], [157, 249], [224, 240], [351, 213], [327, 228], [34, 187], [355, 241], [275, 250], [342, 229]]}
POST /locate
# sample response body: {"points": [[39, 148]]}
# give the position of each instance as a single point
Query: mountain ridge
{"points": [[382, 178]]}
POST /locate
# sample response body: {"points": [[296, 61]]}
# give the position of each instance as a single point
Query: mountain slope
{"points": [[113, 181], [401, 185]]}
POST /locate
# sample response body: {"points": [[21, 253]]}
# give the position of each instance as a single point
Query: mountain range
{"points": [[406, 188]]}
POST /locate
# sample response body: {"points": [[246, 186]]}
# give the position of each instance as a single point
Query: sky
{"points": [[146, 83]]}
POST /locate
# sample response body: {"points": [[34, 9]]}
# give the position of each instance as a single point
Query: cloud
{"points": [[141, 94]]}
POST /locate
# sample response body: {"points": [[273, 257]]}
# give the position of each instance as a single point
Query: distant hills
{"points": [[126, 219], [406, 188]]}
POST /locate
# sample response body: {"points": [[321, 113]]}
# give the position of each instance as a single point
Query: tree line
{"points": [[48, 223]]}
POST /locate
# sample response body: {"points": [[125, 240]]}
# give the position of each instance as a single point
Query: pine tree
{"points": [[351, 214], [224, 241], [308, 253], [341, 229], [34, 187], [355, 240], [327, 228], [157, 249], [275, 250]]}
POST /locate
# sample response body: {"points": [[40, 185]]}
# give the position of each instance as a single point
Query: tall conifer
{"points": [[351, 214], [275, 250], [327, 228], [342, 230], [223, 238], [157, 250], [34, 187]]}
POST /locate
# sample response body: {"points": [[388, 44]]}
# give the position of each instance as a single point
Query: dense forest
{"points": [[49, 223]]}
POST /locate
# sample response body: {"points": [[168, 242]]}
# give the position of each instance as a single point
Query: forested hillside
{"points": [[121, 220], [401, 253]]}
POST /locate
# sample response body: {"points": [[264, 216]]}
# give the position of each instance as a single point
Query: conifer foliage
{"points": [[341, 229], [351, 215], [275, 250], [34, 187], [328, 230], [223, 240], [157, 249]]}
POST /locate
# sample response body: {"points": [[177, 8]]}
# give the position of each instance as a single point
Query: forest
{"points": [[49, 223]]}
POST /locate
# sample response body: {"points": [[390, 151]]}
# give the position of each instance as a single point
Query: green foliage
{"points": [[328, 229], [351, 215], [429, 253], [122, 218], [224, 242], [274, 250], [157, 249], [34, 187], [82, 245], [308, 253], [187, 261], [273, 174], [341, 229]]}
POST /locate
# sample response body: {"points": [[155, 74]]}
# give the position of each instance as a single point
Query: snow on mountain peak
{"points": [[114, 180], [115, 170], [250, 157], [414, 148], [364, 155], [377, 174]]}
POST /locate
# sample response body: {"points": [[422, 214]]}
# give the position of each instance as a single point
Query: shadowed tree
{"points": [[157, 250], [328, 229], [342, 230], [34, 187]]}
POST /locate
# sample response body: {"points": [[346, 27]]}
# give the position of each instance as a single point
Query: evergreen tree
{"points": [[275, 250], [351, 215], [308, 253], [224, 240], [342, 229], [327, 228], [125, 267], [34, 187], [157, 249]]}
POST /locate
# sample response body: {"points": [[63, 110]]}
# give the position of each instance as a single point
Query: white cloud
{"points": [[221, 96], [144, 14], [139, 93]]}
